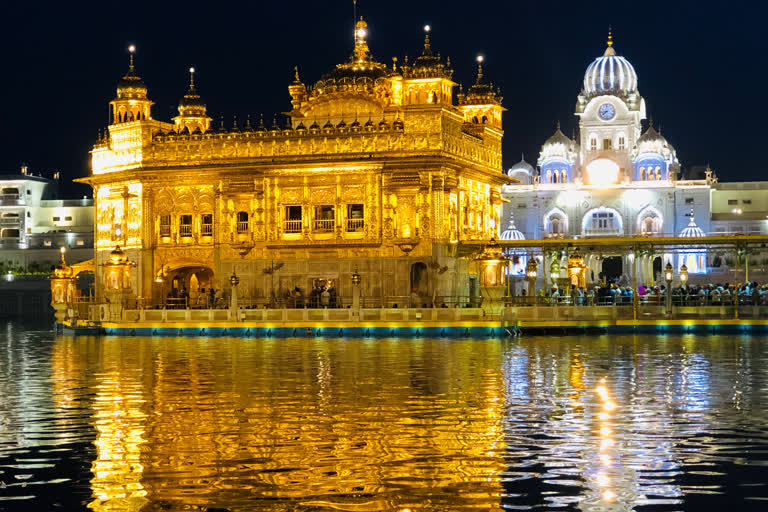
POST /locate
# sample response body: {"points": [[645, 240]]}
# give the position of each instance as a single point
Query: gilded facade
{"points": [[378, 167]]}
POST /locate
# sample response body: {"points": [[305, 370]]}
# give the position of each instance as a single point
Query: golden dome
{"points": [[117, 256], [131, 86], [428, 65]]}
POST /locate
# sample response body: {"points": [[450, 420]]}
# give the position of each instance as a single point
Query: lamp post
{"points": [[356, 279], [233, 281], [668, 275], [531, 272], [160, 279], [554, 270], [683, 275]]}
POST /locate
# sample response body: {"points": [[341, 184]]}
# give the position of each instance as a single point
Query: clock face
{"points": [[607, 111]]}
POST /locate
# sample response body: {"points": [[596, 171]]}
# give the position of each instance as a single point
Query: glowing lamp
{"points": [[427, 28], [531, 269], [233, 279], [554, 269], [480, 59], [356, 277], [683, 274], [668, 272], [602, 172], [361, 33], [132, 49]]}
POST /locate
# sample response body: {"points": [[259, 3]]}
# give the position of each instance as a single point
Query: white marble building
{"points": [[35, 224], [617, 179]]}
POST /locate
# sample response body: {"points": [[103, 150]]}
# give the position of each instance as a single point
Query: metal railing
{"points": [[293, 226], [242, 227], [185, 230], [206, 229], [355, 224], [325, 225]]}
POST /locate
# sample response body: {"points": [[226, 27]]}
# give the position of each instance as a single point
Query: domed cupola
{"points": [[653, 158], [522, 171], [610, 74], [131, 103], [692, 230], [192, 111], [558, 158], [512, 233], [360, 85], [428, 65]]}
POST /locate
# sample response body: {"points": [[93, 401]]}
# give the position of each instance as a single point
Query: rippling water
{"points": [[601, 423]]}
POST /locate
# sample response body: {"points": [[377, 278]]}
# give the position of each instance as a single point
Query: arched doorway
{"points": [[187, 285], [612, 268], [419, 278], [656, 268]]}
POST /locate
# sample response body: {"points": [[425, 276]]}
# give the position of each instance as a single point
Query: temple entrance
{"points": [[419, 278], [656, 268], [188, 286], [612, 268]]}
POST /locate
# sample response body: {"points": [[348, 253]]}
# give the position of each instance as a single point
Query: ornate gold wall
{"points": [[376, 167]]}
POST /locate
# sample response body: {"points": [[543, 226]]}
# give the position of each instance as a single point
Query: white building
{"points": [[35, 224], [616, 179]]}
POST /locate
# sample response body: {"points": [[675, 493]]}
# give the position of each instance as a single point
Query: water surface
{"points": [[599, 423]]}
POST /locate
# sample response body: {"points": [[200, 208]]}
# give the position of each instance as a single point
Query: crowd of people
{"points": [[610, 293]]}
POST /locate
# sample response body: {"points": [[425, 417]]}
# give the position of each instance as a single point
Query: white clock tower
{"points": [[610, 110]]}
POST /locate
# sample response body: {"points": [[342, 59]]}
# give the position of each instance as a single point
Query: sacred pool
{"points": [[575, 423]]}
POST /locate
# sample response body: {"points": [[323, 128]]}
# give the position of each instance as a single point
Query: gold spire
{"points": [[131, 51], [297, 80], [480, 60], [361, 45], [192, 79], [610, 50], [427, 45]]}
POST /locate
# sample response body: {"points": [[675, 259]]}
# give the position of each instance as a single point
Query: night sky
{"points": [[701, 66]]}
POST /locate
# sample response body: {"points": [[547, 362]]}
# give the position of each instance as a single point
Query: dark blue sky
{"points": [[701, 65]]}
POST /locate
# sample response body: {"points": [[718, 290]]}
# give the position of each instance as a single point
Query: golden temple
{"points": [[378, 169]]}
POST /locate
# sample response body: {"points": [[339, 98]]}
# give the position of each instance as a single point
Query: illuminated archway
{"points": [[555, 222], [650, 221], [602, 221]]}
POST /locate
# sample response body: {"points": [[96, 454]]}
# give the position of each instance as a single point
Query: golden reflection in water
{"points": [[343, 424]]}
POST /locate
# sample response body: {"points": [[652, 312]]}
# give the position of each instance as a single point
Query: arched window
{"points": [[642, 174], [485, 119], [563, 176], [242, 222], [658, 173], [621, 142], [602, 221], [474, 120], [555, 223], [555, 177], [593, 142], [549, 176]]}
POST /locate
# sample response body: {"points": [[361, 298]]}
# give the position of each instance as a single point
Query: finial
{"points": [[610, 37], [221, 119], [248, 123], [448, 62], [394, 64], [427, 46], [261, 120], [558, 126], [296, 74], [650, 121], [191, 79], [480, 60], [131, 51]]}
